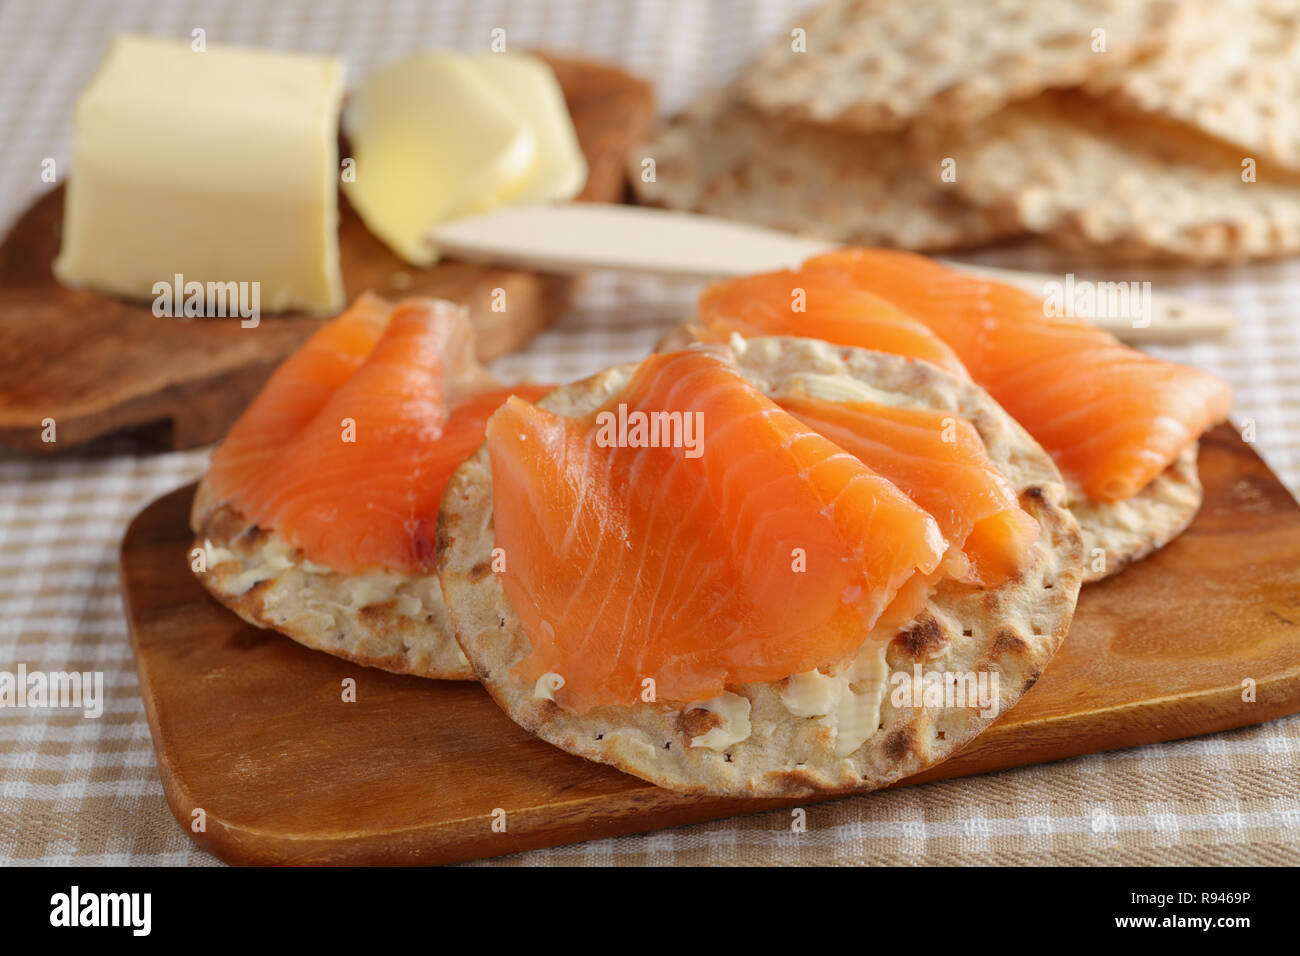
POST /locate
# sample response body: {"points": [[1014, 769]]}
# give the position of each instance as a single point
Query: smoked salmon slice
{"points": [[1113, 418], [349, 447], [827, 306], [759, 551], [941, 463], [294, 393]]}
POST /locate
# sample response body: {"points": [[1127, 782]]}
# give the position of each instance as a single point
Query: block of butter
{"points": [[528, 84], [218, 166], [441, 135]]}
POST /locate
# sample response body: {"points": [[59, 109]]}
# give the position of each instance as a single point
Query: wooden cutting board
{"points": [[96, 364], [251, 728]]}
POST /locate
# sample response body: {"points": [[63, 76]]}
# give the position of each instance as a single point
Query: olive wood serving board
{"points": [[252, 728], [98, 365]]}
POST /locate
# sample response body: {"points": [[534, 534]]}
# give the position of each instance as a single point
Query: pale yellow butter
{"points": [[442, 135], [810, 694], [431, 141], [528, 84], [546, 686], [849, 702], [735, 728], [219, 166]]}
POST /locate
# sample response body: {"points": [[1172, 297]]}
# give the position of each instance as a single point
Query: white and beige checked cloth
{"points": [[77, 790]]}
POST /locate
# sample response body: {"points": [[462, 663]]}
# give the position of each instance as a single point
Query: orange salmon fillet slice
{"points": [[771, 553], [940, 462], [294, 393], [1112, 417], [347, 450], [826, 306]]}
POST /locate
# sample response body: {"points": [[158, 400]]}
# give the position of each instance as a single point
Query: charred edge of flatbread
{"points": [[395, 622], [1013, 629], [1129, 530]]}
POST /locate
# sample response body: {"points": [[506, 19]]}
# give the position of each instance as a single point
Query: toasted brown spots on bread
{"points": [[900, 743], [796, 781], [694, 723], [442, 536], [921, 639], [373, 614], [258, 589], [1009, 642]]}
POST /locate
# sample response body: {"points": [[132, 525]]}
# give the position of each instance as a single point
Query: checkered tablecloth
{"points": [[87, 791]]}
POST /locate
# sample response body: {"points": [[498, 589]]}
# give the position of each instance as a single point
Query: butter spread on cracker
{"points": [[735, 727], [810, 694], [547, 685]]}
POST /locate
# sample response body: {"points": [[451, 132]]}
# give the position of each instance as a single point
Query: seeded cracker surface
{"points": [[1014, 629]]}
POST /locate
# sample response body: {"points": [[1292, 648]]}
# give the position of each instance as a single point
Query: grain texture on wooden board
{"points": [[1235, 75], [1125, 186], [724, 159], [874, 65], [1013, 629], [96, 364], [251, 726]]}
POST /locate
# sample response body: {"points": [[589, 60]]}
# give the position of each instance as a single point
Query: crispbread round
{"points": [[1123, 532], [722, 158], [382, 619], [1013, 629]]}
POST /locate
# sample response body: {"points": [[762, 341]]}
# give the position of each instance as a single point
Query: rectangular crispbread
{"points": [[1091, 177], [724, 159], [1234, 75], [875, 65]]}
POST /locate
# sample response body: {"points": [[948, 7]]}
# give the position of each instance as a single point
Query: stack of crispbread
{"points": [[1136, 129]]}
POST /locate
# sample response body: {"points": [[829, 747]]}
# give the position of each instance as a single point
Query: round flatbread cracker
{"points": [[1117, 534], [378, 618], [835, 729]]}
